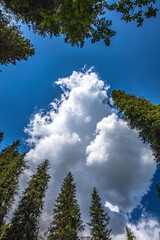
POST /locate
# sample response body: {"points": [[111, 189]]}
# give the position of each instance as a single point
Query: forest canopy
{"points": [[75, 20]]}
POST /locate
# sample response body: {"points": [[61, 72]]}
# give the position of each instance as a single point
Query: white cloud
{"points": [[120, 162], [146, 229], [113, 208], [82, 134]]}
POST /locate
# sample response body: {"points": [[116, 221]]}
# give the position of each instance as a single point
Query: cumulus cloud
{"points": [[112, 207], [81, 133], [146, 229], [120, 162]]}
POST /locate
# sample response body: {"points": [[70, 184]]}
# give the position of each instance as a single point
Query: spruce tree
{"points": [[66, 224], [13, 46], [141, 115], [98, 219], [12, 164], [24, 224], [129, 234]]}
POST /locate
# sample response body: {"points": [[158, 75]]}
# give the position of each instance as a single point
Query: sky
{"points": [[60, 109]]}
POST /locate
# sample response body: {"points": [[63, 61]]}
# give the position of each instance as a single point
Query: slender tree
{"points": [[98, 219], [12, 164], [24, 224], [141, 115], [66, 222], [129, 234]]}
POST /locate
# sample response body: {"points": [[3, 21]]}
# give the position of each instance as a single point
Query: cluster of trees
{"points": [[76, 20], [66, 223], [24, 223]]}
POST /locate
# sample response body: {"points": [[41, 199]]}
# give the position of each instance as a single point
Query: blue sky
{"points": [[131, 63]]}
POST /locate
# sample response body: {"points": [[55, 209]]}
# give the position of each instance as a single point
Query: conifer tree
{"points": [[99, 219], [66, 222], [12, 164], [13, 46], [24, 224], [129, 234], [141, 115]]}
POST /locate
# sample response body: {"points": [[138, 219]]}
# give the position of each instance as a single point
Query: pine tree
{"points": [[129, 234], [141, 115], [24, 224], [13, 46], [66, 222], [99, 220], [12, 164]]}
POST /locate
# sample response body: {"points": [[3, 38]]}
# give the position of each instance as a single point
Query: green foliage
{"points": [[78, 20], [134, 10], [141, 115], [13, 46], [75, 20], [99, 219], [3, 230], [24, 224], [129, 234], [66, 222], [12, 164]]}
